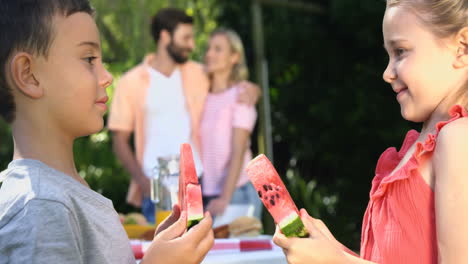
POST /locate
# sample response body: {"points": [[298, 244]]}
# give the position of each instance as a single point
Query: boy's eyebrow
{"points": [[90, 43]]}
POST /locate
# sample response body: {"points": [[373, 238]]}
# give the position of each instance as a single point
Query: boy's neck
{"points": [[163, 62], [54, 150]]}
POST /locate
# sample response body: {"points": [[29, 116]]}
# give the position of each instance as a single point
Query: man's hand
{"points": [[121, 146], [217, 206], [250, 93], [145, 185]]}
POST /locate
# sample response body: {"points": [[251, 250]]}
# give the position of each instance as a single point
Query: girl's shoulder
{"points": [[455, 129], [453, 134], [451, 150]]}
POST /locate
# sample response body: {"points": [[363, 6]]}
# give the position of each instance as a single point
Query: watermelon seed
{"points": [[269, 187], [277, 195], [272, 202], [260, 194], [277, 188], [265, 187], [272, 197]]}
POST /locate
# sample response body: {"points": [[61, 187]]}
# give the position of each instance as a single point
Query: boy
{"points": [[52, 91]]}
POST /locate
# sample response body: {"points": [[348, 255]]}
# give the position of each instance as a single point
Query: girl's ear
{"points": [[461, 59], [22, 75]]}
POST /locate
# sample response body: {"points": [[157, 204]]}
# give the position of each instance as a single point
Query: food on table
{"points": [[275, 196], [133, 219], [245, 226], [221, 231]]}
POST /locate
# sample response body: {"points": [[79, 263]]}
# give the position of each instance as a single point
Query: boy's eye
{"points": [[90, 60]]}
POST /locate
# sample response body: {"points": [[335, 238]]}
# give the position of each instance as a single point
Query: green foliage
{"points": [[6, 145], [125, 26], [332, 114]]}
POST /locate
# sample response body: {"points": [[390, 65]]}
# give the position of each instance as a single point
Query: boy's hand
{"points": [[250, 93], [319, 247], [175, 215], [173, 245]]}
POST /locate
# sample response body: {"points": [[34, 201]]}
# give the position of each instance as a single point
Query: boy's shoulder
{"points": [[25, 181]]}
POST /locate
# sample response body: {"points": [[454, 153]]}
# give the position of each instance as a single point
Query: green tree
{"points": [[332, 113]]}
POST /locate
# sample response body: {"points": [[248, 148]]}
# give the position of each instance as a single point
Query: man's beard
{"points": [[177, 53]]}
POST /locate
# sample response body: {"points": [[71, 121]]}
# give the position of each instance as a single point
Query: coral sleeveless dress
{"points": [[399, 223]]}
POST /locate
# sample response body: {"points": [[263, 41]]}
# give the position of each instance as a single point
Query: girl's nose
{"points": [[389, 74]]}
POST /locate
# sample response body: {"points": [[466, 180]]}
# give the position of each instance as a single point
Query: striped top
{"points": [[222, 113], [399, 223]]}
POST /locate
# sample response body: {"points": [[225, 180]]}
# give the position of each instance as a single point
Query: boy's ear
{"points": [[23, 76], [461, 59]]}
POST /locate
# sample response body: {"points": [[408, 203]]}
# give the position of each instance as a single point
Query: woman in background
{"points": [[226, 127]]}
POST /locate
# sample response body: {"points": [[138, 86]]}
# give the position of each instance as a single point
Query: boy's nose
{"points": [[106, 78]]}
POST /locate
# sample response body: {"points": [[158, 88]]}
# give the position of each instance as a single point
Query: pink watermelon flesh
{"points": [[194, 204], [275, 196], [191, 203]]}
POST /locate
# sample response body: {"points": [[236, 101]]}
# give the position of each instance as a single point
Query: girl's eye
{"points": [[399, 52]]}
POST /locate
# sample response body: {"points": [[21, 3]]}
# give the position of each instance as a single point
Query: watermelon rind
{"points": [[194, 204], [193, 220], [292, 226]]}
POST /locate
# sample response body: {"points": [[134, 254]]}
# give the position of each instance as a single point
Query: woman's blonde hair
{"points": [[443, 17], [240, 71]]}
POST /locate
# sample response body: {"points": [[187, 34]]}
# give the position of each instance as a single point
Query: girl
{"points": [[418, 206], [226, 127]]}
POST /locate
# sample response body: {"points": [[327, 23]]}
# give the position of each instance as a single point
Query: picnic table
{"points": [[259, 250]]}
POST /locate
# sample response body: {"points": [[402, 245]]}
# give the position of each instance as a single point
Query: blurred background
{"points": [[331, 113]]}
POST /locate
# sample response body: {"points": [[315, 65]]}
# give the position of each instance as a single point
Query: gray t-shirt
{"points": [[48, 217]]}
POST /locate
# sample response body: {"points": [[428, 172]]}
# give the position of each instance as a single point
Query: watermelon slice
{"points": [[275, 196], [190, 195]]}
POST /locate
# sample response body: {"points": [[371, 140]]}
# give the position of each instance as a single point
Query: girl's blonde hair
{"points": [[240, 71], [443, 17]]}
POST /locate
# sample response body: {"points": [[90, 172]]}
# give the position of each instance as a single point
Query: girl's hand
{"points": [[319, 247], [217, 206], [173, 245]]}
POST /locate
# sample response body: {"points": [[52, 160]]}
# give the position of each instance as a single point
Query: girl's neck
{"points": [[52, 149], [441, 113], [220, 82]]}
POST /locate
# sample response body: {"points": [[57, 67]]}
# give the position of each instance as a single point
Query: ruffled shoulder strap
{"points": [[428, 146]]}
